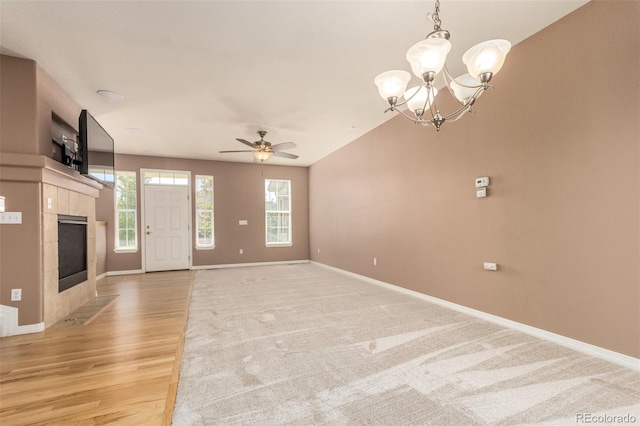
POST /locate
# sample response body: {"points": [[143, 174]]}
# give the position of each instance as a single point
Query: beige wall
{"points": [[559, 137], [238, 194], [21, 252], [53, 99], [28, 179], [18, 105]]}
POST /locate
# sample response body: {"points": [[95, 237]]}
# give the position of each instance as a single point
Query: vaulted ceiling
{"points": [[195, 75]]}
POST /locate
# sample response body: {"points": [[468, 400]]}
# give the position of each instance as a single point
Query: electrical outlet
{"points": [[16, 294], [490, 266], [241, 251], [375, 262]]}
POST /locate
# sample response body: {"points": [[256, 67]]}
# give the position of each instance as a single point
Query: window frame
{"points": [[198, 245], [164, 177], [117, 247], [288, 212]]}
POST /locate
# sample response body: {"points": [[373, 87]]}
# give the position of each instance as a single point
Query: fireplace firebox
{"points": [[72, 251]]}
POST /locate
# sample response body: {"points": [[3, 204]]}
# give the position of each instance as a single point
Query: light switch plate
{"points": [[14, 218]]}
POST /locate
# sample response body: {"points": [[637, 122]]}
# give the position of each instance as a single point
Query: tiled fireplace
{"points": [[61, 202]]}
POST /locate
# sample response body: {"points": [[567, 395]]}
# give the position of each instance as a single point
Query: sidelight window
{"points": [[126, 211], [204, 212]]}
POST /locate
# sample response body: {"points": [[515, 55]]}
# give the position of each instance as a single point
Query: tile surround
{"points": [[64, 201]]}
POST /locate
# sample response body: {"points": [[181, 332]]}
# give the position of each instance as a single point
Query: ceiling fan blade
{"points": [[243, 150], [246, 142], [284, 154], [284, 145]]}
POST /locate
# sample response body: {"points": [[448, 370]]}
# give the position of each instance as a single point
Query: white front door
{"points": [[166, 233]]}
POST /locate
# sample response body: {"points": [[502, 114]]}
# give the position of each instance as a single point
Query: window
{"points": [[204, 212], [103, 173], [126, 207], [157, 177], [277, 197]]}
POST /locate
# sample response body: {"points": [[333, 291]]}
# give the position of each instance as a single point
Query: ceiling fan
{"points": [[262, 149]]}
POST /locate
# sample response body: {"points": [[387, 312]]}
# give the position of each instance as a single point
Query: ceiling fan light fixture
{"points": [[263, 150], [427, 59], [262, 155]]}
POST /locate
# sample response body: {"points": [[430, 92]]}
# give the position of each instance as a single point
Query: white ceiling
{"points": [[195, 75]]}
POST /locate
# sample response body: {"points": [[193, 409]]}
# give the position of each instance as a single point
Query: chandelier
{"points": [[427, 58]]}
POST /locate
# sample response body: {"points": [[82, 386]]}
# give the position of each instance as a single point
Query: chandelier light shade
{"points": [[420, 98], [428, 56], [465, 87], [392, 83], [486, 57], [427, 59]]}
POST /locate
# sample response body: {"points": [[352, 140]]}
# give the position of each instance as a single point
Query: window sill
{"points": [[205, 248], [125, 250], [279, 244]]}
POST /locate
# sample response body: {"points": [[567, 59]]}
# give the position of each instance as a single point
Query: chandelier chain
{"points": [[435, 17]]}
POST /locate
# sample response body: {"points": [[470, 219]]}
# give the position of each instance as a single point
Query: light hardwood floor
{"points": [[121, 368]]}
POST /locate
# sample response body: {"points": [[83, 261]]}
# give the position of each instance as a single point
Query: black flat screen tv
{"points": [[97, 150]]}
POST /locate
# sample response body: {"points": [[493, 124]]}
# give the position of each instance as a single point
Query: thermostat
{"points": [[482, 182]]}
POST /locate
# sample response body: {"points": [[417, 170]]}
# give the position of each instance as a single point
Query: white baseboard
{"points": [[101, 276], [242, 265], [9, 323], [586, 348], [131, 272]]}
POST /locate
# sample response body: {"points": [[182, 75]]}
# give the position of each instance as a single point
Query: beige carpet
{"points": [[303, 345]]}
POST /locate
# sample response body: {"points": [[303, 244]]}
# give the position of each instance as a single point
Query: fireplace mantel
{"points": [[38, 168]]}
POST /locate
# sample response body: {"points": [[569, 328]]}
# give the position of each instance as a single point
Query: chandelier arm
{"points": [[480, 88], [466, 106], [447, 75], [433, 107], [455, 116], [416, 121], [396, 105], [447, 82], [411, 97]]}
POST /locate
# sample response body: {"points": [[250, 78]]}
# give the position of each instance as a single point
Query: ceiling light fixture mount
{"points": [[427, 58], [110, 95]]}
